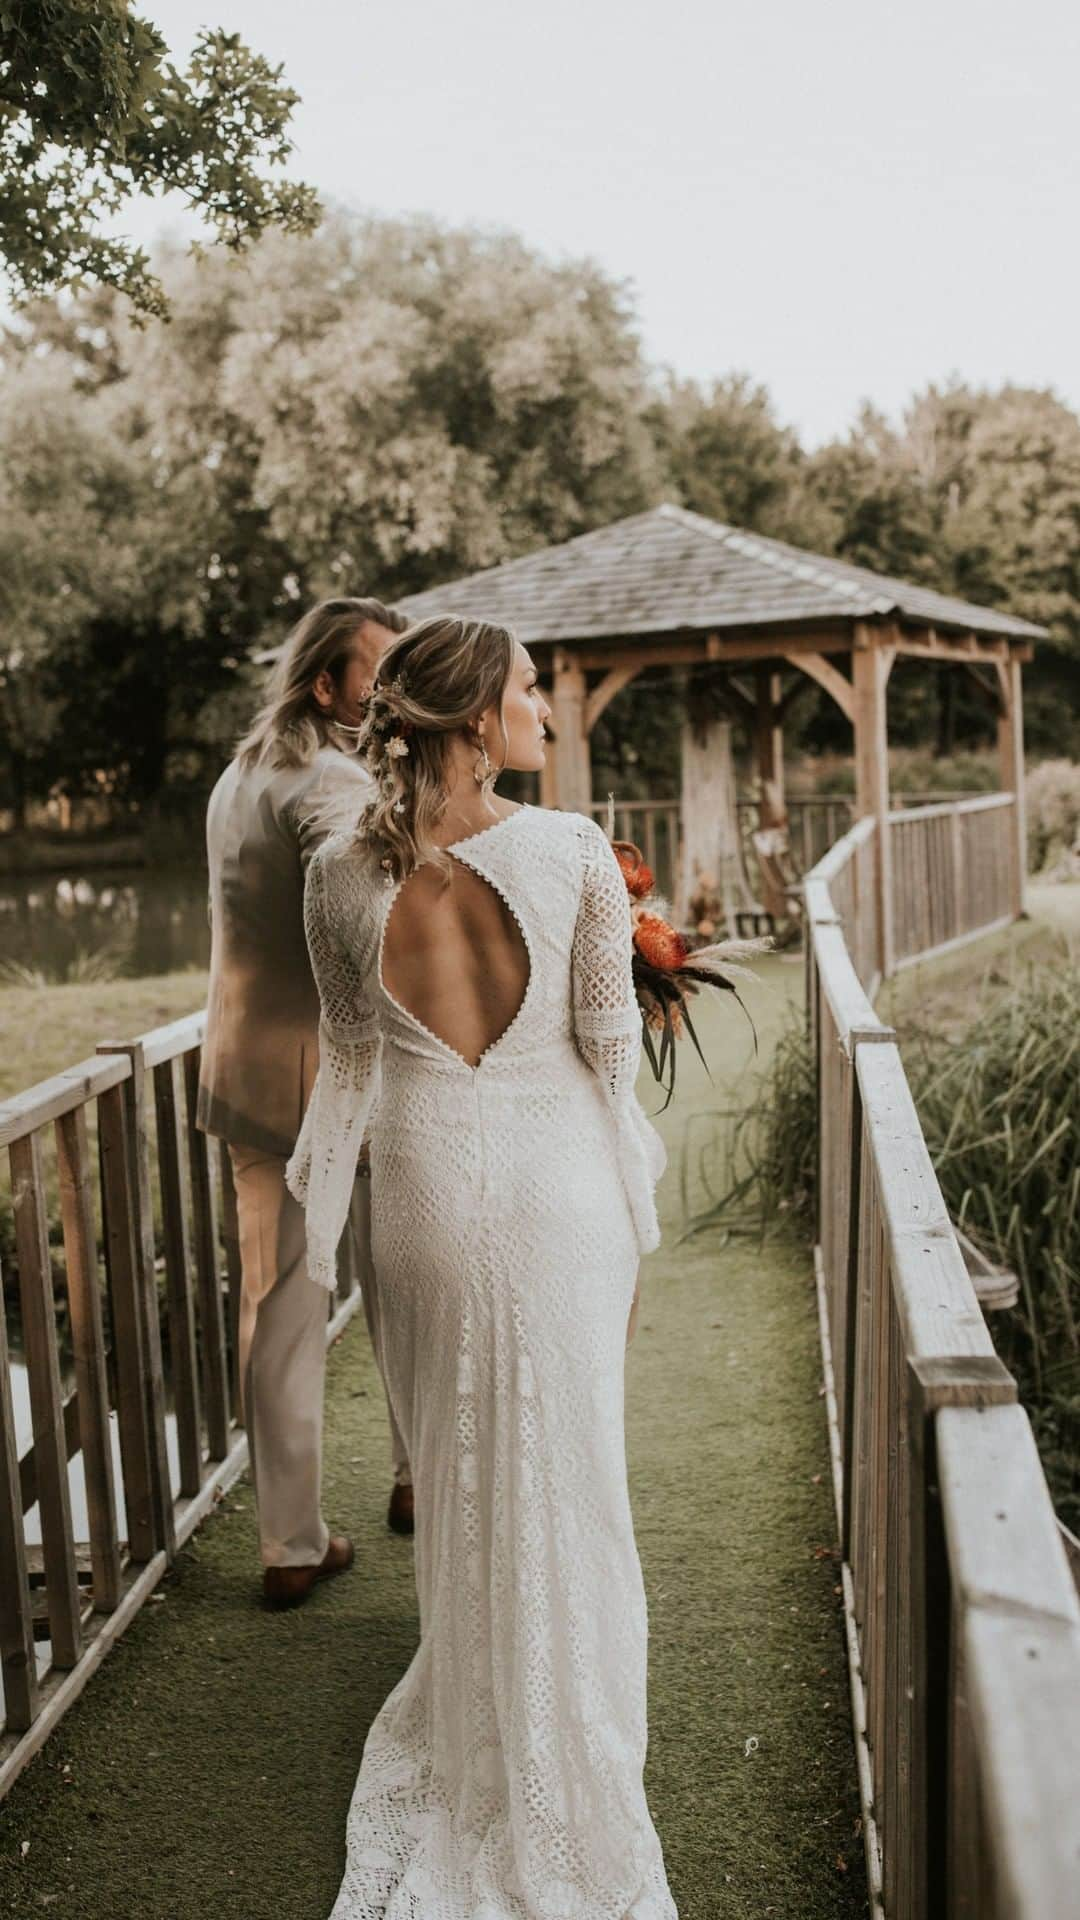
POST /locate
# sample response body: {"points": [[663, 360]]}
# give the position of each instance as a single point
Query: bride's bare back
{"points": [[454, 957]]}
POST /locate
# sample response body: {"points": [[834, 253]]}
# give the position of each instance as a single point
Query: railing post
{"points": [[46, 1398], [137, 1141], [856, 1037], [16, 1614], [870, 664], [91, 1368], [961, 1380], [211, 1315], [129, 1345], [183, 1347]]}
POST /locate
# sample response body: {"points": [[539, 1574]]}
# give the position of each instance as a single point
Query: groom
{"points": [[267, 814]]}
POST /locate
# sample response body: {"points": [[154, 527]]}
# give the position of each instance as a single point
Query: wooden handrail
{"points": [[977, 803], [22, 1113], [963, 1620]]}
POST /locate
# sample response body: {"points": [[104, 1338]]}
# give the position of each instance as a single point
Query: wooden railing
{"points": [[144, 1358], [963, 1620], [952, 873], [815, 823]]}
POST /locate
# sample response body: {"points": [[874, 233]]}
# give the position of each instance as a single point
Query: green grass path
{"points": [[207, 1769]]}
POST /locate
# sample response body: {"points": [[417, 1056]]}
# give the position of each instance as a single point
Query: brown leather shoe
{"points": [[399, 1514], [290, 1586]]}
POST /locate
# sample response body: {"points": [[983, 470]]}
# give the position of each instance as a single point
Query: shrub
{"points": [[1053, 813]]}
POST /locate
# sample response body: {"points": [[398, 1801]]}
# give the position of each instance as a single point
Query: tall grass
{"points": [[1000, 1106], [999, 1102], [778, 1133]]}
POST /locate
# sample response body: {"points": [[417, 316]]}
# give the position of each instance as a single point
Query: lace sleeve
{"points": [[607, 1023], [323, 1166]]}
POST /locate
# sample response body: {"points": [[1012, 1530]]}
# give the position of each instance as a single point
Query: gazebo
{"points": [[671, 588]]}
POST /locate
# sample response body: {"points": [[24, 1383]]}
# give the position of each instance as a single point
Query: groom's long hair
{"points": [[290, 726]]}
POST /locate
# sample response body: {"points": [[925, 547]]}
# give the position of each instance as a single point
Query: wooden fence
{"points": [[952, 873], [145, 1202], [963, 1619], [815, 823]]}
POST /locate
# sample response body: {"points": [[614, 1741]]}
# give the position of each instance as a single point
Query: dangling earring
{"points": [[484, 772]]}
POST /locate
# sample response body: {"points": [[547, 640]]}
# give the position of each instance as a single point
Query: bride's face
{"points": [[518, 743]]}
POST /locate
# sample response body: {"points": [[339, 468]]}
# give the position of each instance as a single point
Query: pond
{"points": [[104, 923]]}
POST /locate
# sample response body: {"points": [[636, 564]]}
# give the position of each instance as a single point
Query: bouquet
{"points": [[668, 972]]}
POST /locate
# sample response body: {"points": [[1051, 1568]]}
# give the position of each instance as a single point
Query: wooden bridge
{"points": [[963, 1621]]}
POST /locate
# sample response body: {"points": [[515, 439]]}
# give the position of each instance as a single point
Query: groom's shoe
{"points": [[399, 1514], [290, 1586]]}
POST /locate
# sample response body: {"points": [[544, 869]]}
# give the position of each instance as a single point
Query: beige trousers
{"points": [[282, 1359]]}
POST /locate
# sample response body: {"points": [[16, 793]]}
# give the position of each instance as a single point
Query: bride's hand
{"points": [[631, 1325]]}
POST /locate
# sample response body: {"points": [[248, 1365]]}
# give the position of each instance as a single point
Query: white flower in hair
{"points": [[397, 748]]}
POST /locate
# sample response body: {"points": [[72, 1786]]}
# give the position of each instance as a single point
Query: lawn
{"points": [[48, 1028]]}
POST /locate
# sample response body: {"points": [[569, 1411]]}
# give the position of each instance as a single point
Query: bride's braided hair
{"points": [[432, 684]]}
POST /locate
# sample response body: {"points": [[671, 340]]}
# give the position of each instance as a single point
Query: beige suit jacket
{"points": [[261, 1051]]}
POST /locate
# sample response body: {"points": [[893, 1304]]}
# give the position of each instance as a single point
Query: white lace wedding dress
{"points": [[502, 1780]]}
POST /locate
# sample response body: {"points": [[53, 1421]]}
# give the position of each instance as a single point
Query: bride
{"points": [[473, 963]]}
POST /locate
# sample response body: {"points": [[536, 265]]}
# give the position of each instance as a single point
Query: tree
{"points": [[426, 402], [978, 494], [374, 408], [727, 454], [91, 113]]}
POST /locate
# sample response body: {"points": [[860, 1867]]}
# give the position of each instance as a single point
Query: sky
{"points": [[844, 200]]}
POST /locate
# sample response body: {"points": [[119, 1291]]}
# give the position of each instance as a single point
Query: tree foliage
{"points": [[727, 454], [386, 404], [374, 408], [92, 112]]}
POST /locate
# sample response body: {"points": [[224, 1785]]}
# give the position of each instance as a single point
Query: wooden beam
{"points": [[960, 651], [827, 676], [687, 651], [601, 696]]}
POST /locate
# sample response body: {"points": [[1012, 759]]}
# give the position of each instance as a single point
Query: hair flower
{"points": [[397, 747]]}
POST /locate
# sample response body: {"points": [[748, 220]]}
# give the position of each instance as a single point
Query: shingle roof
{"points": [[670, 569]]}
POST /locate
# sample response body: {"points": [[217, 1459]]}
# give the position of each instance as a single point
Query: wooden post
{"points": [[16, 1612], [769, 754], [46, 1399], [711, 845], [137, 1129], [1011, 756], [168, 1100], [549, 778], [769, 746], [871, 663], [123, 1262], [211, 1312], [88, 1340], [573, 773]]}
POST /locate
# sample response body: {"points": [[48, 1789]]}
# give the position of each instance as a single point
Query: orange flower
{"points": [[638, 877], [662, 946]]}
